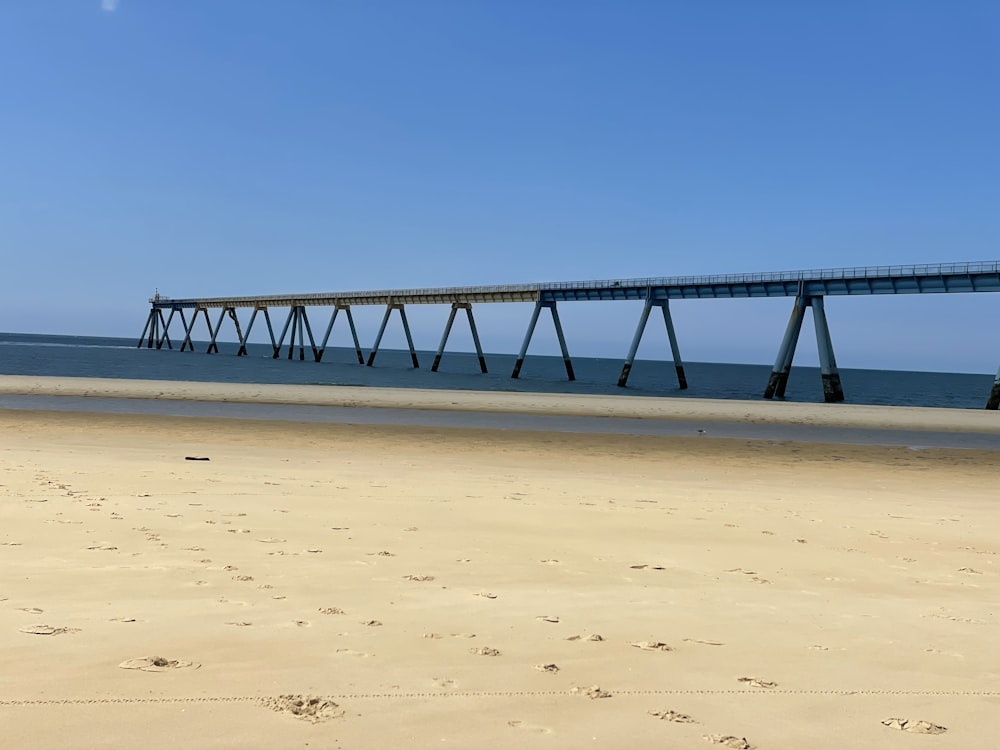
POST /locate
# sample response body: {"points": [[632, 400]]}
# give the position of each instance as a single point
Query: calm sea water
{"points": [[98, 357]]}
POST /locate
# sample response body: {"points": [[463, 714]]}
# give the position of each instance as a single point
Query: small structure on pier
{"points": [[808, 288]]}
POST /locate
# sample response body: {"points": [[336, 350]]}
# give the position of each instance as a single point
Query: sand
{"points": [[330, 585]]}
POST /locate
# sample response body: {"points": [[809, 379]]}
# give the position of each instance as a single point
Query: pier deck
{"points": [[807, 287]]}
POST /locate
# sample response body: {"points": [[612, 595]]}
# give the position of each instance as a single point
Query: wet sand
{"points": [[432, 587]]}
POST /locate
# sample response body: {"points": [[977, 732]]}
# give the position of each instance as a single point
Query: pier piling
{"points": [[406, 329], [675, 351], [455, 307], [551, 305]]}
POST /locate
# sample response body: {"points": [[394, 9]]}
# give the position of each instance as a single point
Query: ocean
{"points": [[103, 357]]}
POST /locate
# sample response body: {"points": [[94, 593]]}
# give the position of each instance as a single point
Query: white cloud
{"points": [[109, 5]]}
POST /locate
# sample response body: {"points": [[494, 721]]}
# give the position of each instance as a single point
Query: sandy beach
{"points": [[418, 587]]}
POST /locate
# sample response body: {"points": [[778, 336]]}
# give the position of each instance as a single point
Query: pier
{"points": [[807, 288]]}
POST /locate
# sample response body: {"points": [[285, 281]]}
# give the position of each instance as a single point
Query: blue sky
{"points": [[239, 147]]}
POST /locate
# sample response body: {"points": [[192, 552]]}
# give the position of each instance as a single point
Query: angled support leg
{"points": [[354, 335], [212, 346], [409, 338], [329, 330], [270, 328], [291, 339], [475, 338], [527, 339], [562, 341], [302, 347], [354, 332], [455, 307], [231, 311], [165, 335], [444, 337], [783, 364], [145, 329], [189, 328], [675, 350], [184, 323], [630, 358], [994, 400], [312, 342], [242, 352], [281, 339], [381, 332], [154, 332], [551, 305], [833, 391]]}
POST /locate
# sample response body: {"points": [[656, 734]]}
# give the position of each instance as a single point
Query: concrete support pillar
{"points": [[270, 328], [783, 364], [406, 329], [551, 305], [281, 339], [184, 323], [231, 312], [214, 332], [475, 339], [636, 339], [447, 332], [145, 330], [190, 327], [165, 331], [833, 391], [242, 351], [312, 342], [994, 400], [354, 332], [444, 338], [675, 350]]}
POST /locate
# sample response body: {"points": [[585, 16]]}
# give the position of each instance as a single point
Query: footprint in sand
{"points": [[593, 692], [242, 578], [240, 624], [31, 610], [704, 643], [728, 740], [157, 664], [123, 619], [330, 611], [419, 579], [549, 562], [674, 716], [547, 618], [47, 630], [651, 646], [591, 637], [305, 707], [433, 636], [486, 595], [372, 623], [529, 727], [755, 682], [916, 727], [271, 540], [485, 651], [351, 652], [548, 668]]}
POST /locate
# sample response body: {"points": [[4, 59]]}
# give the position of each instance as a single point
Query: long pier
{"points": [[808, 288]]}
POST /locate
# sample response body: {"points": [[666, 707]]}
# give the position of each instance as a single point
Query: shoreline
{"points": [[921, 419]]}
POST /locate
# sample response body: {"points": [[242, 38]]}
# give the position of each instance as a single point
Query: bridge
{"points": [[809, 288]]}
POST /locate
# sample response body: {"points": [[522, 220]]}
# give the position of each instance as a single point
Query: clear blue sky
{"points": [[226, 147]]}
